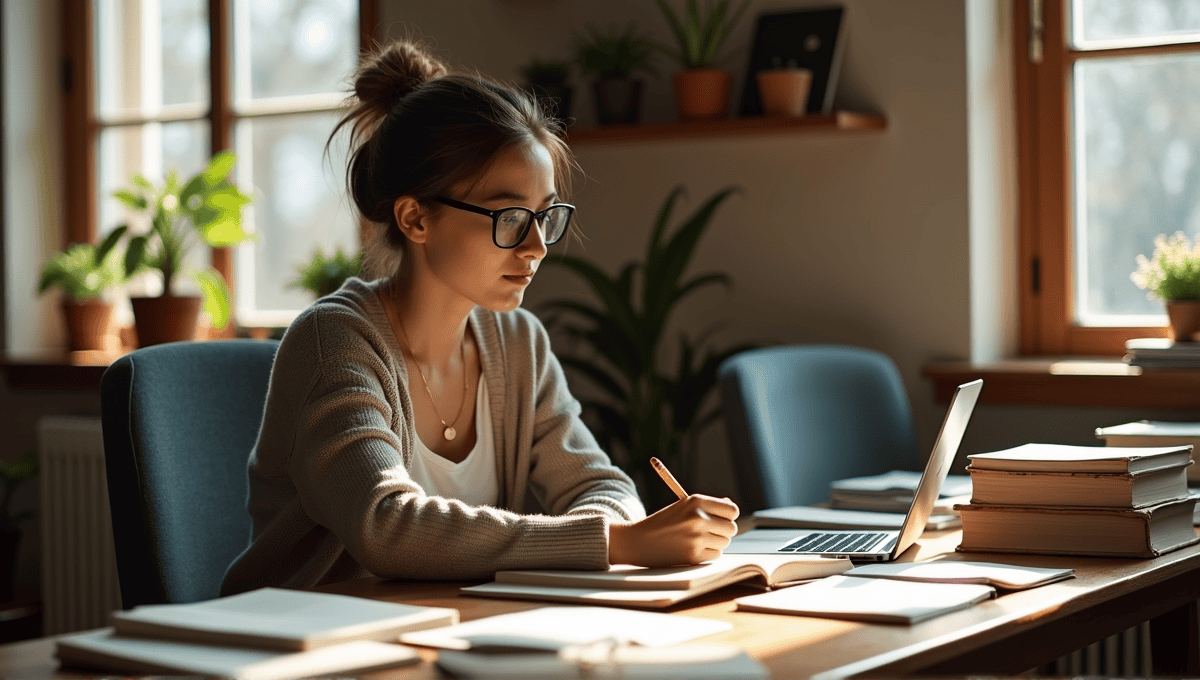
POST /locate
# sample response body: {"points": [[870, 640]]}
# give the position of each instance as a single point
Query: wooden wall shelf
{"points": [[836, 122], [1101, 382]]}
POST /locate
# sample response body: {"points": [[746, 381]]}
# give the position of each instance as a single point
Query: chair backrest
{"points": [[179, 422], [802, 416]]}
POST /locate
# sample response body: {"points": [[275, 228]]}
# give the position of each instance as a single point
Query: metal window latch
{"points": [[1036, 28]]}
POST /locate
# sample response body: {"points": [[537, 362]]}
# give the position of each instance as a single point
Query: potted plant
{"points": [[205, 208], [702, 87], [647, 408], [548, 80], [13, 474], [613, 56], [85, 272], [1172, 274], [322, 275]]}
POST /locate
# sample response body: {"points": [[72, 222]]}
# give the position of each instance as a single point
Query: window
{"points": [[159, 85], [1109, 143]]}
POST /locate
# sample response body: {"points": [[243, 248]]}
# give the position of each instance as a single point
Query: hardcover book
{"points": [[1113, 490], [1069, 458], [1059, 530]]}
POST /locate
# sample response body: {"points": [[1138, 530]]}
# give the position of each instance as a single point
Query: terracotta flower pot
{"points": [[167, 318], [702, 93], [618, 100], [87, 323], [784, 91], [1184, 316]]}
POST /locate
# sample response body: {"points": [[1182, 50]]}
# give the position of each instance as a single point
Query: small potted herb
{"points": [[322, 275], [701, 87], [206, 208], [1172, 274], [85, 272], [548, 81], [613, 56]]}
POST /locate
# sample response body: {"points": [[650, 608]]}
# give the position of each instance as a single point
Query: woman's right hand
{"points": [[689, 531]]}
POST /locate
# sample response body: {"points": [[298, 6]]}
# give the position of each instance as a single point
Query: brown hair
{"points": [[416, 129]]}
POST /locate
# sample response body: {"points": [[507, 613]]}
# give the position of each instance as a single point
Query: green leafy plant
{"points": [[1173, 271], [207, 208], [85, 271], [613, 53], [322, 275], [700, 33], [646, 408], [14, 473], [547, 72]]}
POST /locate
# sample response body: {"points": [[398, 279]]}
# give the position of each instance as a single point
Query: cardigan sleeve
{"points": [[572, 472], [348, 469]]}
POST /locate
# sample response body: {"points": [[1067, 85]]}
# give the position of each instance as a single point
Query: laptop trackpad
{"points": [[764, 541]]}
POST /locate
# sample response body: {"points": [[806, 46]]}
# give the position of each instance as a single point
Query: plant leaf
{"points": [[108, 244], [218, 167], [216, 297], [135, 255], [131, 200], [607, 289], [697, 283], [652, 270]]}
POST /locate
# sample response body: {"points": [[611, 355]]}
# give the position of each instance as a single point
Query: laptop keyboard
{"points": [[861, 541]]}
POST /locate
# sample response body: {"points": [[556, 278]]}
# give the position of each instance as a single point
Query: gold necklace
{"points": [[449, 433]]}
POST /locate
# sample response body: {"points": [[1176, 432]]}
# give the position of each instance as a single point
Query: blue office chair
{"points": [[179, 422], [802, 416]]}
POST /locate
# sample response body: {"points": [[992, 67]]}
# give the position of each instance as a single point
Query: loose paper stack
{"points": [[265, 634]]}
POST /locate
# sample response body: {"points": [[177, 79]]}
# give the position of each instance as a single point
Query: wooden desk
{"points": [[1008, 635]]}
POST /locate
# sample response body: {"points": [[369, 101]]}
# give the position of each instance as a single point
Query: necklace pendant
{"points": [[450, 434]]}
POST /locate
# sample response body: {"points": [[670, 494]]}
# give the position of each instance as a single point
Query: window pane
{"points": [[149, 150], [293, 47], [1136, 148], [151, 54], [299, 205], [1098, 23]]}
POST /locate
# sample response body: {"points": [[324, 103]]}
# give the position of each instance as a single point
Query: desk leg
{"points": [[1175, 642]]}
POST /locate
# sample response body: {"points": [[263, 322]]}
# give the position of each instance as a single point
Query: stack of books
{"points": [[1155, 433], [1079, 500], [1162, 353], [265, 634], [872, 502], [893, 492]]}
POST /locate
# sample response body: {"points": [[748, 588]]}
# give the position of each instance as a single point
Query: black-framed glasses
{"points": [[510, 226]]}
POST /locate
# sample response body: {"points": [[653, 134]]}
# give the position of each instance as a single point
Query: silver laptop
{"points": [[870, 545]]}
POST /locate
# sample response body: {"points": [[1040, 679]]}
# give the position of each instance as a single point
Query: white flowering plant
{"points": [[1173, 271]]}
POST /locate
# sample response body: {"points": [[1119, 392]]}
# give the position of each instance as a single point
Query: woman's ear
{"points": [[410, 218]]}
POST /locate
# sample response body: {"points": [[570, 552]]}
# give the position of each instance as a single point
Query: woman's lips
{"points": [[524, 278]]}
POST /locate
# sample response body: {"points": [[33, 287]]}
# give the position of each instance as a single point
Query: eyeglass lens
{"points": [[511, 225]]}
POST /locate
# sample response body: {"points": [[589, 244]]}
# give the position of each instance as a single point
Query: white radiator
{"points": [[1124, 654], [79, 570]]}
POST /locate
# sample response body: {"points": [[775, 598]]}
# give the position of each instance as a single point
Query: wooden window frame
{"points": [[1044, 169], [81, 129]]}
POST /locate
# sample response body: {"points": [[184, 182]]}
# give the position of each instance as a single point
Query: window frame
{"points": [[81, 129], [1042, 101]]}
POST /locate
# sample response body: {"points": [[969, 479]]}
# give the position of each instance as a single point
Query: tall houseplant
{"points": [[85, 272], [13, 473], [613, 56], [701, 87], [645, 408], [206, 208]]}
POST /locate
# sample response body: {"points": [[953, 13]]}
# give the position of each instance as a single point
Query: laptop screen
{"points": [[944, 449]]}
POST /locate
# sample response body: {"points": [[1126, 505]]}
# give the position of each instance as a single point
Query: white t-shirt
{"points": [[474, 480]]}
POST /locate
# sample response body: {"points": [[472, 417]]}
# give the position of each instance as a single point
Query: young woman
{"points": [[418, 425]]}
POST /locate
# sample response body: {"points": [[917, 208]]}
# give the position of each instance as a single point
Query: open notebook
{"points": [[626, 585]]}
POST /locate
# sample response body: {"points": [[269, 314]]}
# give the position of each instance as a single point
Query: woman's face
{"points": [[459, 249]]}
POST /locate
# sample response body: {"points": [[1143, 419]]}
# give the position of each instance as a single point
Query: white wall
{"points": [[32, 161]]}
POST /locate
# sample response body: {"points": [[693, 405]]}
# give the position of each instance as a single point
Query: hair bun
{"points": [[393, 72]]}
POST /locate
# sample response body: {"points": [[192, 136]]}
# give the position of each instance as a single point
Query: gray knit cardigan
{"points": [[330, 494]]}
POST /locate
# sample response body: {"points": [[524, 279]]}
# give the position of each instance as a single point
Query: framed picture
{"points": [[808, 38]]}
